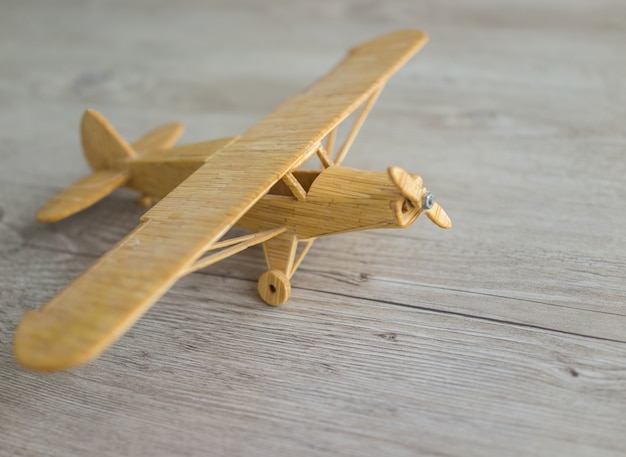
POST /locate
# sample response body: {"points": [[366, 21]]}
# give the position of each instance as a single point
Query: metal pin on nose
{"points": [[428, 201]]}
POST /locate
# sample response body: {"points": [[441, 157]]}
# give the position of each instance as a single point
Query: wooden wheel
{"points": [[274, 287]]}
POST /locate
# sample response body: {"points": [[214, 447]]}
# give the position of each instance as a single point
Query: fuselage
{"points": [[338, 199]]}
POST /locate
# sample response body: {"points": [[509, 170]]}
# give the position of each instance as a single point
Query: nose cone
{"points": [[428, 200]]}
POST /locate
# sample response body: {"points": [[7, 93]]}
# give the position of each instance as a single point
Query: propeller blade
{"points": [[410, 187], [439, 216]]}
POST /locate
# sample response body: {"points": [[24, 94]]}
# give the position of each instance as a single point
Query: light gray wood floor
{"points": [[503, 336]]}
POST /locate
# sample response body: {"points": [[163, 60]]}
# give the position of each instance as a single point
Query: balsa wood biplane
{"points": [[253, 181]]}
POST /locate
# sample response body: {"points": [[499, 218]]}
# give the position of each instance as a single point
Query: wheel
{"points": [[274, 287]]}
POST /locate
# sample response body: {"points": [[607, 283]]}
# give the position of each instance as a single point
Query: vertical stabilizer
{"points": [[104, 148]]}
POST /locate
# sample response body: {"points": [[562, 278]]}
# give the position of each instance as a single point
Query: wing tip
{"points": [[48, 214], [414, 38], [38, 350]]}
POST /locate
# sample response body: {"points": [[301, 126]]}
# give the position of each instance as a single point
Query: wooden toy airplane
{"points": [[253, 181]]}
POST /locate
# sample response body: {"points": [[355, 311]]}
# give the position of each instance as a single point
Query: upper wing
{"points": [[237, 176], [100, 305]]}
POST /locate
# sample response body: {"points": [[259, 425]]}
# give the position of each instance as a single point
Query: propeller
{"points": [[412, 188]]}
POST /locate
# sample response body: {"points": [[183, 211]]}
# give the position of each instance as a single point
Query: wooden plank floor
{"points": [[503, 336]]}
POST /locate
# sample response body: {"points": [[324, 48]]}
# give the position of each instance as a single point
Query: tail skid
{"points": [[108, 155]]}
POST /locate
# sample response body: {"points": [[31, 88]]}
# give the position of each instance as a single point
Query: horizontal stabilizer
{"points": [[162, 137], [82, 194]]}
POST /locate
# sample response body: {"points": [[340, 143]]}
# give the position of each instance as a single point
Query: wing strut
{"points": [[234, 246], [330, 141], [357, 125], [296, 188], [302, 254], [322, 154]]}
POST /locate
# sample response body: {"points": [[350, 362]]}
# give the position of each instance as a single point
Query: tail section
{"points": [[104, 148], [82, 194], [108, 155], [160, 138]]}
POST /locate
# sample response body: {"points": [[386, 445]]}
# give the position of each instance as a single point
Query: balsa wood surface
{"points": [[503, 336]]}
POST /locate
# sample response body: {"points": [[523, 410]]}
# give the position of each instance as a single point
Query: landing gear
{"points": [[274, 287], [280, 253], [146, 201]]}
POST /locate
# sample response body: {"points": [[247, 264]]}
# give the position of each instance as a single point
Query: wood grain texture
{"points": [[503, 337]]}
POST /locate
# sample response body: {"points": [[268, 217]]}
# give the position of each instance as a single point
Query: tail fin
{"points": [[104, 148], [107, 153]]}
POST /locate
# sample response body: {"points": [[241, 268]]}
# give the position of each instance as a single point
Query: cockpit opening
{"points": [[304, 177]]}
